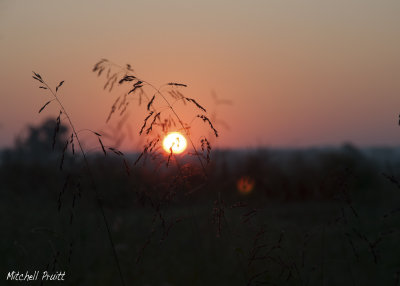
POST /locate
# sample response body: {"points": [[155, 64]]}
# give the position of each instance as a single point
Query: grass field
{"points": [[350, 238]]}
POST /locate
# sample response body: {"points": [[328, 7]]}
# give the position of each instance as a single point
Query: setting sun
{"points": [[176, 141]]}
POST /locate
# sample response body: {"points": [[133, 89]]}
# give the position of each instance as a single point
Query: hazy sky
{"points": [[299, 73]]}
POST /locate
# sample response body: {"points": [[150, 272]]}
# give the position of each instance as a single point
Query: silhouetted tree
{"points": [[36, 147]]}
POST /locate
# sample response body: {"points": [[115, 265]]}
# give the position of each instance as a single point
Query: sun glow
{"points": [[175, 141], [245, 185]]}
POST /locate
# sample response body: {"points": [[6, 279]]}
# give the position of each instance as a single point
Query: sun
{"points": [[176, 141]]}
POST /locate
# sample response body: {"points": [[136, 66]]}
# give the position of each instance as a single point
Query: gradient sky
{"points": [[299, 73]]}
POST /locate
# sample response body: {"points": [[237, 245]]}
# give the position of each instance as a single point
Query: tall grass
{"points": [[74, 136], [156, 124], [162, 116]]}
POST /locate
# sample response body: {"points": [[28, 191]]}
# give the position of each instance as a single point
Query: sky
{"points": [[296, 73]]}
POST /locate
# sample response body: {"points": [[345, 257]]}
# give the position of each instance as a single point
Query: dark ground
{"points": [[315, 217]]}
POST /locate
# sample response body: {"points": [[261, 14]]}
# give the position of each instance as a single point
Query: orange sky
{"points": [[299, 73]]}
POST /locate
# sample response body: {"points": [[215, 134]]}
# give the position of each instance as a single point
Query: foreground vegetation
{"points": [[314, 217]]}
